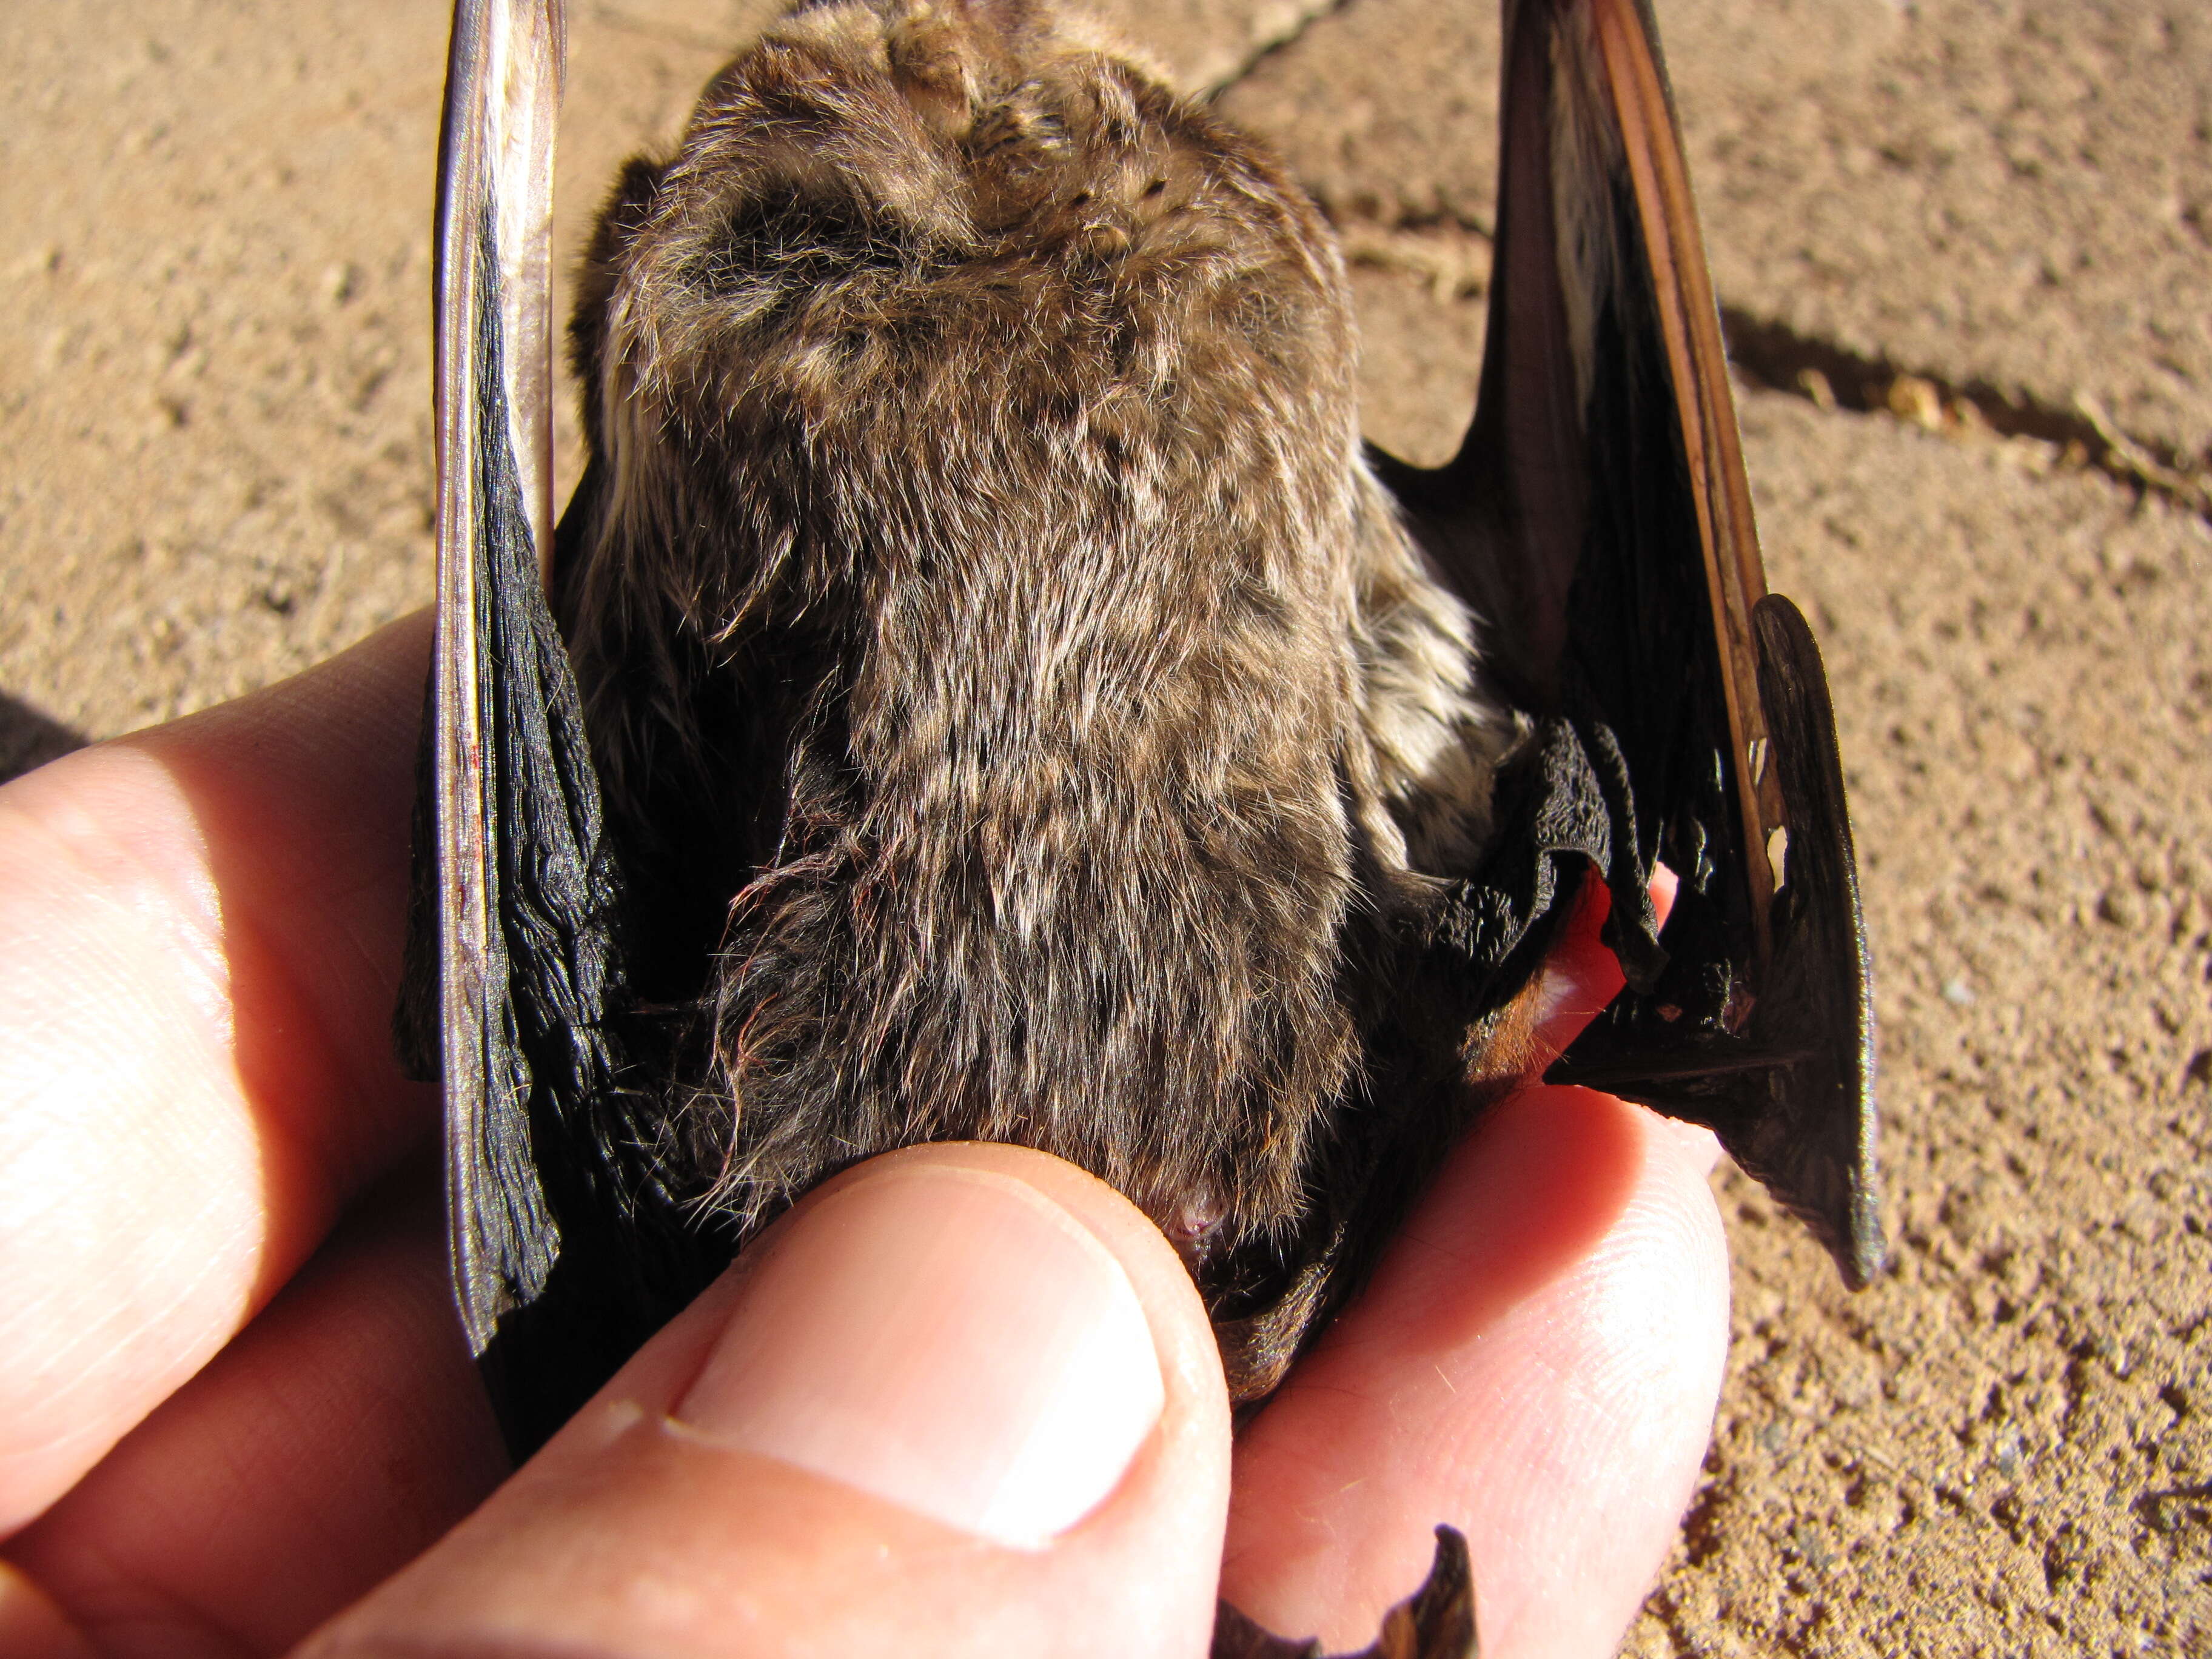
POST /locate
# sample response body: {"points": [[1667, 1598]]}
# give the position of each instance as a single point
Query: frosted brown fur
{"points": [[1022, 715]]}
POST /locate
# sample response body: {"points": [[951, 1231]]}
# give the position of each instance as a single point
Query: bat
{"points": [[982, 687]]}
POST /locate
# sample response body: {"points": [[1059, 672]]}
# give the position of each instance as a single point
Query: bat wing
{"points": [[556, 1236], [1597, 520]]}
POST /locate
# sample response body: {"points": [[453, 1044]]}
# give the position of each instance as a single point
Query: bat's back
{"points": [[1002, 665]]}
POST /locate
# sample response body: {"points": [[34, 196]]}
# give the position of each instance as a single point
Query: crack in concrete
{"points": [[1304, 15], [1454, 254], [1772, 355], [1454, 263]]}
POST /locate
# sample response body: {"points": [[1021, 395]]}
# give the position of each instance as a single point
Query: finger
{"points": [[1536, 1362], [199, 945], [32, 1626], [1581, 976], [963, 1399], [341, 1433]]}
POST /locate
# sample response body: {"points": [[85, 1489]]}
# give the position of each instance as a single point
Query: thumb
{"points": [[962, 1399]]}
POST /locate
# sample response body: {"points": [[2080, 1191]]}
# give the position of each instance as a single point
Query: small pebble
{"points": [[1915, 402], [1814, 385], [1958, 994]]}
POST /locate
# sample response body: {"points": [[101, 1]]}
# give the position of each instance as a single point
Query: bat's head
{"points": [[893, 219]]}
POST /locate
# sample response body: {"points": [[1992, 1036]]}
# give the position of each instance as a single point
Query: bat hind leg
{"points": [[1790, 1089]]}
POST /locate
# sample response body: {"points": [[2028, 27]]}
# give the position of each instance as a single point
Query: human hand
{"points": [[233, 1399]]}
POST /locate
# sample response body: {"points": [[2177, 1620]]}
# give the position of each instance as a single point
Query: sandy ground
{"points": [[1964, 249]]}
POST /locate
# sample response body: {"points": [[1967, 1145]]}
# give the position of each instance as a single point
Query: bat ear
{"points": [[945, 53], [1598, 521], [935, 61], [1006, 20], [629, 205]]}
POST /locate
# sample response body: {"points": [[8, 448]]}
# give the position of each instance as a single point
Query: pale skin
{"points": [[235, 1411]]}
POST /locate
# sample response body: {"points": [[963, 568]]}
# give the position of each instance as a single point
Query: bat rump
{"points": [[1596, 522]]}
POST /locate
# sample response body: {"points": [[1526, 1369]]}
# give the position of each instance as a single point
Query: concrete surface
{"points": [[1992, 218], [2001, 1447], [2014, 198]]}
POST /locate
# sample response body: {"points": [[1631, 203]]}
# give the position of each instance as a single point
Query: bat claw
{"points": [[1436, 1622]]}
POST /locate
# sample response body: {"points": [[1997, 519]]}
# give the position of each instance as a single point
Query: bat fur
{"points": [[1022, 715]]}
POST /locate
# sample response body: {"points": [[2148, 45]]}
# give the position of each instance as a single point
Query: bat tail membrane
{"points": [[1598, 520], [541, 1214], [1790, 1093]]}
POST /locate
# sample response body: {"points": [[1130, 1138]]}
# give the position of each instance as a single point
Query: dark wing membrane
{"points": [[502, 89], [556, 1230], [1598, 520]]}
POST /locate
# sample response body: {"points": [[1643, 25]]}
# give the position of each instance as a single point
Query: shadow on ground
{"points": [[29, 738]]}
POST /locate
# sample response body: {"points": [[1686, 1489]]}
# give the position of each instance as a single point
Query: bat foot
{"points": [[1436, 1622]]}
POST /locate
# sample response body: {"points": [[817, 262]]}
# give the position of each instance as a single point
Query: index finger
{"points": [[200, 933], [1534, 1362]]}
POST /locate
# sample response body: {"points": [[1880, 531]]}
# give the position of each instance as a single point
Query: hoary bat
{"points": [[982, 687]]}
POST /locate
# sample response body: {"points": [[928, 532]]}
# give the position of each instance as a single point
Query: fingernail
{"points": [[949, 1340]]}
